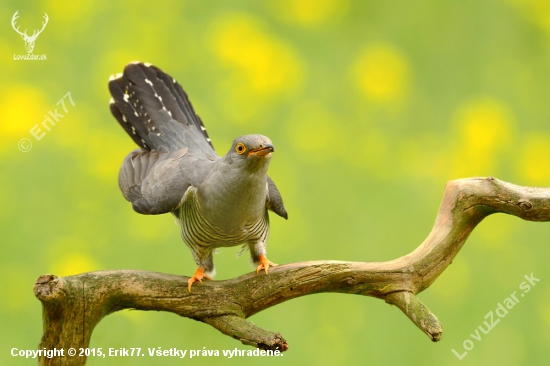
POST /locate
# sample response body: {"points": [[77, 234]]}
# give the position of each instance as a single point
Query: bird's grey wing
{"points": [[274, 200], [176, 151], [155, 181]]}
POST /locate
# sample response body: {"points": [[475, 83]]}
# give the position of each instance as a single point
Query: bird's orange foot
{"points": [[198, 276], [264, 264]]}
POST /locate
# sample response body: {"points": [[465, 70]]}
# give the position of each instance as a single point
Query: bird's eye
{"points": [[240, 148]]}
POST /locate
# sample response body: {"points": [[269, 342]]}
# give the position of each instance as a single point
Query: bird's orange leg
{"points": [[198, 276], [264, 264]]}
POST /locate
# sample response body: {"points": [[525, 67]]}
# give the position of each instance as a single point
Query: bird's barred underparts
{"points": [[199, 234]]}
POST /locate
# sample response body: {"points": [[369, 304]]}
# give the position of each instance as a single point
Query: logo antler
{"points": [[29, 40]]}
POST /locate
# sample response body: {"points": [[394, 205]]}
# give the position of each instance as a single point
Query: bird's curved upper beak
{"points": [[263, 150]]}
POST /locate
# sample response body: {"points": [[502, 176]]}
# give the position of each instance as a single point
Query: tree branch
{"points": [[74, 305]]}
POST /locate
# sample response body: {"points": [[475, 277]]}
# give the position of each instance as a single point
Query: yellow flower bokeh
{"points": [[535, 159], [74, 262], [309, 12], [536, 11], [21, 107], [483, 130], [382, 73], [268, 64], [262, 67]]}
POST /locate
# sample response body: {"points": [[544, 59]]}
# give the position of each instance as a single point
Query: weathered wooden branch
{"points": [[74, 305]]}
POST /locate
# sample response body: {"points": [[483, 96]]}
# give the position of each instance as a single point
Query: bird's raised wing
{"points": [[176, 151], [155, 181]]}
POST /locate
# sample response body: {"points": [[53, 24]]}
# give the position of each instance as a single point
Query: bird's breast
{"points": [[235, 206], [200, 230]]}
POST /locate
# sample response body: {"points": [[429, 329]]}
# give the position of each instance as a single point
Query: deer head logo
{"points": [[29, 40]]}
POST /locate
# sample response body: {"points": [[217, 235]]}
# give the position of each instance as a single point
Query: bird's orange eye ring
{"points": [[241, 149]]}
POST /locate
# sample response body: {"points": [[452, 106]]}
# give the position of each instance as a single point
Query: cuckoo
{"points": [[218, 201]]}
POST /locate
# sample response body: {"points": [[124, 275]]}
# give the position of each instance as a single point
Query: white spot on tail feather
{"points": [[118, 75], [149, 82]]}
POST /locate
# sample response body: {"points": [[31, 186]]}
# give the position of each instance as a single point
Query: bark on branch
{"points": [[74, 305]]}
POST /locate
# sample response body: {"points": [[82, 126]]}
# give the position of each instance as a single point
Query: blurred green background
{"points": [[372, 107]]}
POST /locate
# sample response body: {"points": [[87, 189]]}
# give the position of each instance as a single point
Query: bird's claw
{"points": [[264, 264], [197, 276]]}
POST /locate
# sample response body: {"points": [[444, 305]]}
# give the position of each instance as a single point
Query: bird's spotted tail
{"points": [[155, 111]]}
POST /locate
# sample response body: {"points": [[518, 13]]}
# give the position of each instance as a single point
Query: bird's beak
{"points": [[263, 150]]}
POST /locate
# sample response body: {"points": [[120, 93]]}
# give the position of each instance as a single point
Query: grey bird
{"points": [[219, 201]]}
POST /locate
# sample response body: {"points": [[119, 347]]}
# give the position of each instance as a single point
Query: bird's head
{"points": [[251, 150]]}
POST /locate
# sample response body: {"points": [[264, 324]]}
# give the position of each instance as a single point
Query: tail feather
{"points": [[183, 102], [155, 111], [127, 116], [150, 95], [123, 121]]}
